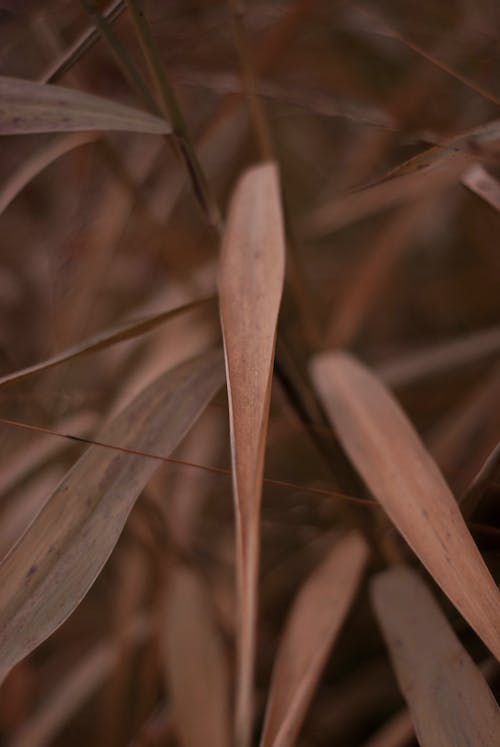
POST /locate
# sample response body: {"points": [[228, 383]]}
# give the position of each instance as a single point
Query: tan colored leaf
{"points": [[53, 565], [450, 702], [390, 457], [250, 288], [28, 106], [119, 333], [29, 169], [313, 625], [195, 665]]}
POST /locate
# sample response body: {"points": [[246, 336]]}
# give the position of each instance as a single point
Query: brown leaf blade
{"points": [[393, 462], [54, 564], [450, 702], [195, 665], [28, 107], [250, 287], [313, 624], [102, 340]]}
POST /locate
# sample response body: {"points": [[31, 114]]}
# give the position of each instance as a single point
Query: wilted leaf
{"points": [[449, 699], [195, 665], [313, 624], [389, 455], [27, 106], [119, 333], [250, 287], [56, 561]]}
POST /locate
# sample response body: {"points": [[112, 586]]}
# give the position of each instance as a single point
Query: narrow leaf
{"points": [[250, 288], [29, 169], [313, 624], [392, 460], [450, 702], [54, 564], [120, 333], [195, 665], [28, 106], [485, 137]]}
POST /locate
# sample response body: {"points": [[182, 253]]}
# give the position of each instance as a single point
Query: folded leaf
{"points": [[450, 702], [392, 460], [54, 564], [28, 106]]}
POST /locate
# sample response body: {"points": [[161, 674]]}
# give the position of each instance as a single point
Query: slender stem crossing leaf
{"points": [[54, 564]]}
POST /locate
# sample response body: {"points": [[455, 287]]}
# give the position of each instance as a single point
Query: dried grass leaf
{"points": [[313, 624], [28, 106], [250, 288], [390, 457], [102, 340], [56, 561], [450, 702], [195, 665]]}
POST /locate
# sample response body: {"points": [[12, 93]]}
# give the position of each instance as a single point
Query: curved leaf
{"points": [[392, 460], [313, 624], [28, 106], [54, 564]]}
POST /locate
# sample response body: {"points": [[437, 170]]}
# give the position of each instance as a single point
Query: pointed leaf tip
{"points": [[401, 474]]}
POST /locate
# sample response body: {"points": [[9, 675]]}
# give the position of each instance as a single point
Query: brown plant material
{"points": [[401, 474], [119, 333], [250, 288], [57, 560], [77, 686], [313, 624], [450, 702], [27, 106], [195, 666], [37, 163]]}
